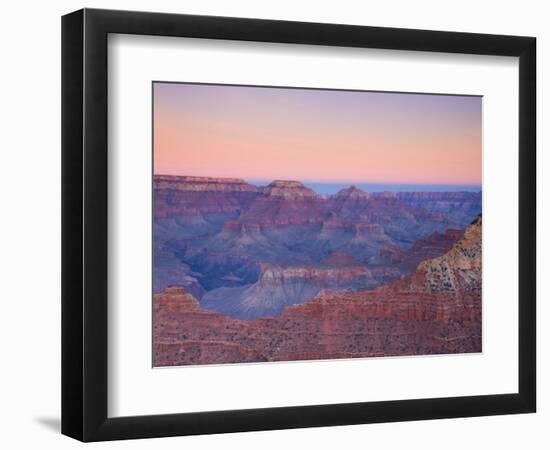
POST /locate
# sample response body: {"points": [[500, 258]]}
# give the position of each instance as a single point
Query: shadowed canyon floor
{"points": [[245, 273]]}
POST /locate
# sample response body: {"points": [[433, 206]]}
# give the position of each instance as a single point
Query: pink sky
{"points": [[318, 136]]}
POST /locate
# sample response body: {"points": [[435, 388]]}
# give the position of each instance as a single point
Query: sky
{"points": [[316, 136]]}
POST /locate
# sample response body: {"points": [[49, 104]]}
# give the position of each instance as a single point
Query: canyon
{"points": [[436, 309], [250, 251]]}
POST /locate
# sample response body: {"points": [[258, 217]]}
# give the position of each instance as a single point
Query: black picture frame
{"points": [[84, 224]]}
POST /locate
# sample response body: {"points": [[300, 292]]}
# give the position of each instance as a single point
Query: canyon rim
{"points": [[303, 224]]}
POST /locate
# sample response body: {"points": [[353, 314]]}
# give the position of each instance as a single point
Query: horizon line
{"points": [[348, 182]]}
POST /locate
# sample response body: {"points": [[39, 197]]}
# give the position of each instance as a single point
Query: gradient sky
{"points": [[318, 136]]}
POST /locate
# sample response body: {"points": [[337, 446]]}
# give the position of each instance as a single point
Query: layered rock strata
{"points": [[435, 310]]}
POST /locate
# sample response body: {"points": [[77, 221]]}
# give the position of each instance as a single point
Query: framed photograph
{"points": [[272, 224]]}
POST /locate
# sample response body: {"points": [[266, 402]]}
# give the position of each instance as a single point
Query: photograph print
{"points": [[294, 224]]}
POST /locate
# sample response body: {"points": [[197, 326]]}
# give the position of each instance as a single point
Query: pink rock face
{"points": [[184, 196], [290, 190], [176, 299], [187, 183], [435, 310]]}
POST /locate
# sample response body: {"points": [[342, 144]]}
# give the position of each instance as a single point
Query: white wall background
{"points": [[30, 225]]}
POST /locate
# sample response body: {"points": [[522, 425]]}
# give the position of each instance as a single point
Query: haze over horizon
{"points": [[323, 138], [333, 188]]}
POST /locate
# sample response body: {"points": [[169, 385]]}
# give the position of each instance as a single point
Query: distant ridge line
{"points": [[203, 183]]}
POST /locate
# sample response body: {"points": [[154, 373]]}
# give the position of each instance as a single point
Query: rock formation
{"points": [[207, 184], [436, 309], [407, 260], [289, 190], [279, 287], [200, 197], [458, 271], [459, 206], [219, 233]]}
